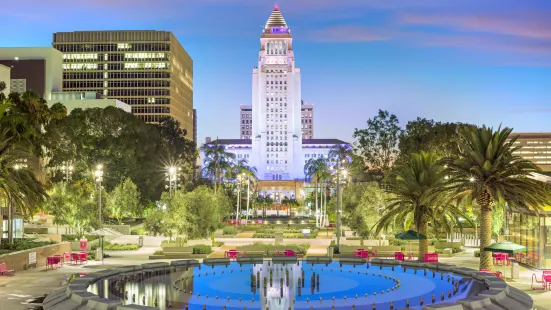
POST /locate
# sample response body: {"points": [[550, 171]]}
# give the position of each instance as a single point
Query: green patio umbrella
{"points": [[410, 235], [506, 247]]}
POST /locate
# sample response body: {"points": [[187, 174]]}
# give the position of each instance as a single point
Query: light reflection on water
{"points": [[236, 287]]}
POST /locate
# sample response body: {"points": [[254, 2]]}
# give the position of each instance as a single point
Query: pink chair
{"points": [[399, 256], [431, 258], [290, 253]]}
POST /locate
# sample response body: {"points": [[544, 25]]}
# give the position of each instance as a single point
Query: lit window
{"points": [[123, 46]]}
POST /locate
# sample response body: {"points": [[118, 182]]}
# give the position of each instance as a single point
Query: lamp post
{"points": [[67, 169], [99, 178], [19, 164], [173, 178]]}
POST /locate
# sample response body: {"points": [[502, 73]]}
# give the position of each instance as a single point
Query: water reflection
{"points": [[286, 287]]}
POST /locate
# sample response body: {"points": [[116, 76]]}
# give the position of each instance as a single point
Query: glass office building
{"points": [[149, 70], [533, 232]]}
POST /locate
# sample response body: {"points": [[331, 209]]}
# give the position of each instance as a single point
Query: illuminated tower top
{"points": [[276, 23]]}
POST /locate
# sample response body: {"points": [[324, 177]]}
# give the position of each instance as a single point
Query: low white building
{"points": [[85, 100], [34, 68], [5, 77]]}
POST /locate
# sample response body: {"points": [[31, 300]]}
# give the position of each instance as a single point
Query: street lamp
{"points": [[19, 164], [99, 178], [173, 179], [67, 169]]}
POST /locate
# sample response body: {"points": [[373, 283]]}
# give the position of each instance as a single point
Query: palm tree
{"points": [[486, 170], [217, 160], [18, 184], [415, 187], [314, 168]]}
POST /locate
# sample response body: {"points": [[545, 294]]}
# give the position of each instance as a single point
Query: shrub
{"points": [[120, 247], [159, 252], [202, 249], [74, 238], [23, 244], [228, 230], [139, 231], [217, 244], [477, 253]]}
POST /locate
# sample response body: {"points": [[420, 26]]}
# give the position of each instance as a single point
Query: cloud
{"points": [[529, 24], [344, 34]]}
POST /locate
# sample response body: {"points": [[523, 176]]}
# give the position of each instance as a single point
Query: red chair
{"points": [[4, 271], [495, 273], [51, 262], [75, 258], [232, 254], [399, 256], [83, 256], [290, 253]]}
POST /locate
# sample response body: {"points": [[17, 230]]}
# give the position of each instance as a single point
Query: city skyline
{"points": [[446, 62]]}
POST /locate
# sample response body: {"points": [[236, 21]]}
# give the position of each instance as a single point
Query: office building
{"points": [[149, 70], [33, 68], [536, 147]]}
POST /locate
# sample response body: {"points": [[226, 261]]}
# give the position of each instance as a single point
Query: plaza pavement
{"points": [[29, 284]]}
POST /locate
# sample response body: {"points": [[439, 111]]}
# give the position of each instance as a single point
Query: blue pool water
{"points": [[325, 286]]}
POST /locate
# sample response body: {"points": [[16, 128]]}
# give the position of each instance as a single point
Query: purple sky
{"points": [[455, 60]]}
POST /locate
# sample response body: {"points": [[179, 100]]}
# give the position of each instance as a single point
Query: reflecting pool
{"points": [[285, 286]]}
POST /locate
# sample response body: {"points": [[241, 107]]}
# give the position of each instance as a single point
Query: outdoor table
{"points": [[75, 258]]}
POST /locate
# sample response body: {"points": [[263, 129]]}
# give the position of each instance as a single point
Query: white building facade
{"points": [[273, 127]]}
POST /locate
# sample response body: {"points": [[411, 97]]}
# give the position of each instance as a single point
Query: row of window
{"points": [[306, 126], [143, 101], [276, 82], [246, 121], [246, 127], [306, 120], [152, 118], [242, 155], [151, 110], [112, 47], [115, 75], [315, 155], [247, 115]]}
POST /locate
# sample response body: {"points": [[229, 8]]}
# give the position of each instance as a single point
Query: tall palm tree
{"points": [[217, 160], [486, 170], [415, 187], [314, 169]]}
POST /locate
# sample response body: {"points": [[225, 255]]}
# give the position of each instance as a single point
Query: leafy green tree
{"points": [[125, 145], [423, 135], [154, 222], [194, 214], [486, 170], [124, 200], [74, 205], [362, 206], [377, 144]]}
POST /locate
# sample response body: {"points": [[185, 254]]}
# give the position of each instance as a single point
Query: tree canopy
{"points": [[125, 145]]}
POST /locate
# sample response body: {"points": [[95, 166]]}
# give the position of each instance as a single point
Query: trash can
{"points": [[515, 270], [140, 241], [99, 254]]}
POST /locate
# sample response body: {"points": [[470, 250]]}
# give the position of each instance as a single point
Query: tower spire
{"points": [[276, 19]]}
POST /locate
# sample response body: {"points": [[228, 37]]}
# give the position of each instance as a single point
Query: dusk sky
{"points": [[483, 62]]}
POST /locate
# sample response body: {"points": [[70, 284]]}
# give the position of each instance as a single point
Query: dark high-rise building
{"points": [[149, 70]]}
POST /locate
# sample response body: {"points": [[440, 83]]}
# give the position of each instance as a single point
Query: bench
{"points": [[4, 271]]}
